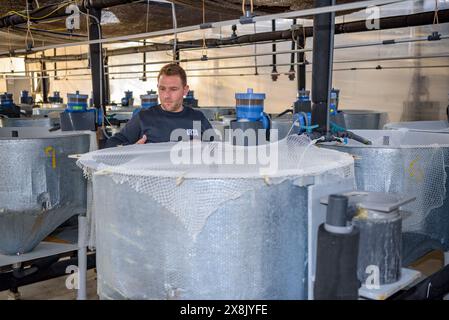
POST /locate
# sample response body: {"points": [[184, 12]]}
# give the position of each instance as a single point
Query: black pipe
{"points": [[44, 82], [274, 72], [144, 64], [101, 4], [323, 25], [301, 67], [96, 61], [106, 81], [414, 20], [49, 12], [177, 55], [55, 64], [291, 75]]}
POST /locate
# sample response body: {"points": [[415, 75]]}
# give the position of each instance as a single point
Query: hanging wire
{"points": [[244, 5], [28, 29], [435, 15], [204, 48], [11, 65], [255, 52]]}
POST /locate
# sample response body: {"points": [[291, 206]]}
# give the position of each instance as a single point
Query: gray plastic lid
{"points": [[377, 201], [250, 95]]}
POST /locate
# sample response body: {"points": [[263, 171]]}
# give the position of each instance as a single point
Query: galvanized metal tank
{"points": [[411, 163], [55, 109], [41, 187], [283, 125], [360, 119], [204, 235], [215, 113], [439, 126], [35, 121]]}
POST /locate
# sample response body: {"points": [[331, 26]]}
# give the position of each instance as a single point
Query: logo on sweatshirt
{"points": [[192, 132]]}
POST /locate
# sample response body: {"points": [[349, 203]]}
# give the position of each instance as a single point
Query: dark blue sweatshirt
{"points": [[158, 125]]}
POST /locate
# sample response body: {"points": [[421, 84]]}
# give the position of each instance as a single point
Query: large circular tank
{"points": [[411, 163], [35, 121], [216, 113], [360, 119], [441, 126], [284, 127], [50, 110], [205, 231], [41, 187]]}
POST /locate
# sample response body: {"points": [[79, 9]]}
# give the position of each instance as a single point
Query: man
{"points": [[156, 124]]}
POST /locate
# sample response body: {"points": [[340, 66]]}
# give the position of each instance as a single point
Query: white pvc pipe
{"points": [[82, 257]]}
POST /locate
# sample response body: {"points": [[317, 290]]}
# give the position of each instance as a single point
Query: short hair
{"points": [[172, 69]]}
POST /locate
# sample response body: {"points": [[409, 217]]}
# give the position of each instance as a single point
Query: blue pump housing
{"points": [[147, 101], [77, 102], [56, 98], [25, 98], [126, 101], [249, 107], [189, 100], [6, 100]]}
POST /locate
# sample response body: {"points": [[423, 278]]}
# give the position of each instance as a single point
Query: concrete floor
{"points": [[55, 289]]}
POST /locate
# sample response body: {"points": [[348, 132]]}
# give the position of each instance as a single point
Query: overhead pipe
{"points": [[378, 67], [414, 20], [58, 11], [49, 12], [300, 63], [101, 4], [286, 15]]}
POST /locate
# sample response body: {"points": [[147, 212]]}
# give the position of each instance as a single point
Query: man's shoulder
{"points": [[194, 112]]}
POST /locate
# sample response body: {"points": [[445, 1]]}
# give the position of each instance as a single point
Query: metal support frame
{"points": [[96, 60], [46, 250], [44, 82], [106, 81], [323, 38], [300, 57]]}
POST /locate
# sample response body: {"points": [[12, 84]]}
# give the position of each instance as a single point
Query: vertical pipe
{"points": [[323, 40], [144, 63], [107, 90], [96, 61], [274, 72], [44, 82], [54, 64], [300, 59], [291, 74]]}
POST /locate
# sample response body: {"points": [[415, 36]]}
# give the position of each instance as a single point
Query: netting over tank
{"points": [[204, 229], [163, 171], [411, 163]]}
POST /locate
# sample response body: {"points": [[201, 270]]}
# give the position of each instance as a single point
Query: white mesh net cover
{"points": [[206, 220]]}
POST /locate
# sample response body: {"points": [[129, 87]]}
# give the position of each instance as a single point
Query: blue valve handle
{"points": [[265, 120], [309, 129]]}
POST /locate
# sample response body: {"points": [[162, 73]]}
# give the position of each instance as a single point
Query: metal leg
{"points": [[14, 294], [82, 257], [446, 258]]}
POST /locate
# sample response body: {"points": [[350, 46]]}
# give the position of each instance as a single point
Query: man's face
{"points": [[171, 92]]}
